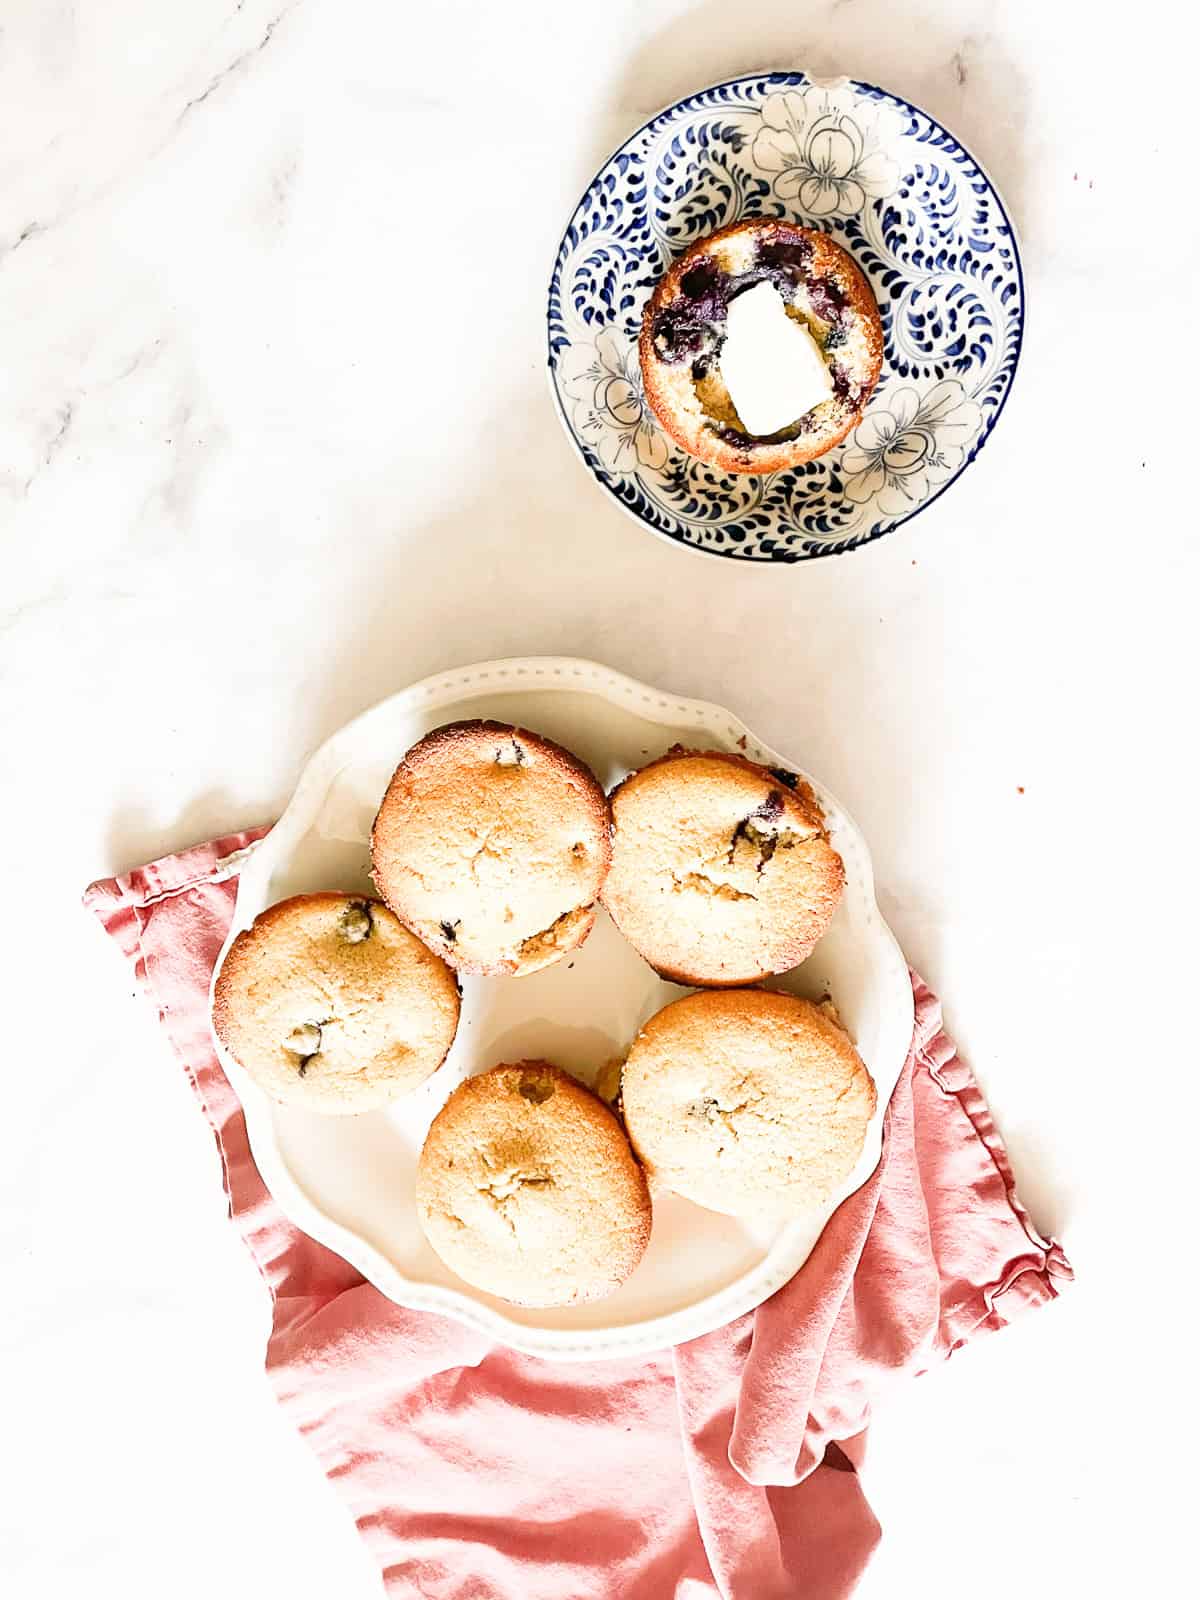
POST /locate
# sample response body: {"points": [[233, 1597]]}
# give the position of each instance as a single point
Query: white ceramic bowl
{"points": [[349, 1181]]}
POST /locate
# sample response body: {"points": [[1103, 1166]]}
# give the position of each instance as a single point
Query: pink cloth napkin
{"points": [[725, 1467]]}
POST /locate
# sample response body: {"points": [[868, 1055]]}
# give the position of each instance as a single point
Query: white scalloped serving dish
{"points": [[348, 1181]]}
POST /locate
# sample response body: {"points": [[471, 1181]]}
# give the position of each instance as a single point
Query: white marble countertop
{"points": [[275, 440]]}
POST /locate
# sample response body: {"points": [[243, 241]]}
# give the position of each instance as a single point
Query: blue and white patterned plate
{"points": [[921, 219]]}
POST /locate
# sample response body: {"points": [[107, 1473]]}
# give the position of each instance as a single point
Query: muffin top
{"points": [[330, 1003], [685, 326], [746, 1101], [527, 1188], [722, 872], [492, 844]]}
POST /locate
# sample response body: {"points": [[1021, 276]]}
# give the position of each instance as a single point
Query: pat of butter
{"points": [[772, 366]]}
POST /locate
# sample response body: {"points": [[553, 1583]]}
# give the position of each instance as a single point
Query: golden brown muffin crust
{"points": [[527, 1188], [492, 843], [330, 1003], [746, 1101], [722, 870]]}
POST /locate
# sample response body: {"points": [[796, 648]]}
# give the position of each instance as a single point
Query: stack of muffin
{"points": [[492, 852]]}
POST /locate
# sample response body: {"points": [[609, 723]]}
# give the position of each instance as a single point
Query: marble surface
{"points": [[275, 440]]}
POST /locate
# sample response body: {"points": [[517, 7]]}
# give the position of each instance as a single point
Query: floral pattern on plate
{"points": [[826, 159], [604, 379], [917, 214]]}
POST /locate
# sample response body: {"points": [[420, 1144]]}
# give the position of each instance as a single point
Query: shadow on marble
{"points": [[1039, 1170], [913, 919], [136, 836]]}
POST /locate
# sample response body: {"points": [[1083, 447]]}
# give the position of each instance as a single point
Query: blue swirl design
{"points": [[910, 205]]}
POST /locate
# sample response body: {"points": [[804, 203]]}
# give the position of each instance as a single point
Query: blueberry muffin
{"points": [[330, 1003], [527, 1188], [747, 1102], [492, 844], [722, 871], [771, 317]]}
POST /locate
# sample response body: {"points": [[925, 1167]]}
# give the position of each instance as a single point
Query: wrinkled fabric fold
{"points": [[726, 1467]]}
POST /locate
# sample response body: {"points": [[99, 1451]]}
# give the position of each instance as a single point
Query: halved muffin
{"points": [[808, 294]]}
